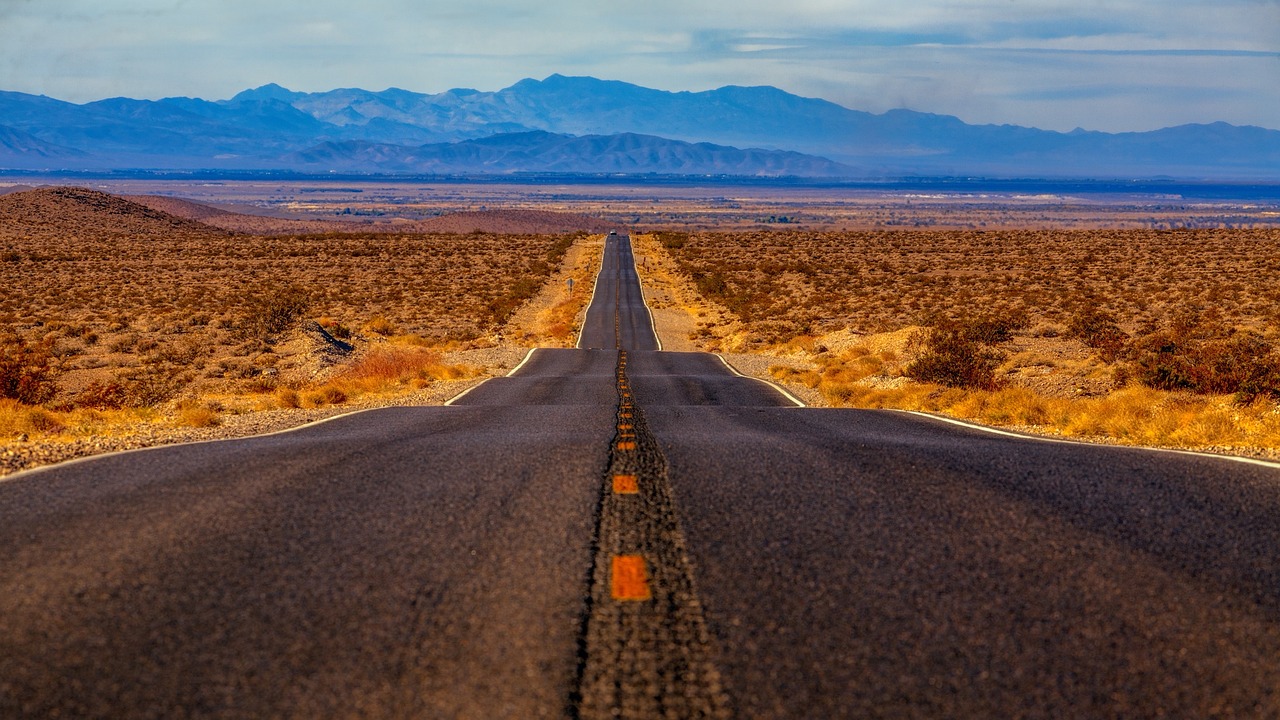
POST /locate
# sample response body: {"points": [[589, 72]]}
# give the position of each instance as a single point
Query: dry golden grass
{"points": [[554, 316], [852, 304], [196, 414], [130, 309], [1131, 415]]}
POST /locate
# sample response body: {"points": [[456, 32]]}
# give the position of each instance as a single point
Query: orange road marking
{"points": [[625, 426], [625, 485], [626, 445], [629, 579]]}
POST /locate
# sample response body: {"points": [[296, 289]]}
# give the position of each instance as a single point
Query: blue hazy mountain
{"points": [[543, 152], [636, 129]]}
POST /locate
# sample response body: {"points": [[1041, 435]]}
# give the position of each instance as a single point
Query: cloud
{"points": [[1114, 64]]}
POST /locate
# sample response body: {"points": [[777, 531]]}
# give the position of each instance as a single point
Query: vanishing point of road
{"points": [[614, 531]]}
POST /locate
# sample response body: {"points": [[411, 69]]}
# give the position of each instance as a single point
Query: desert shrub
{"points": [[288, 398], [380, 325], [502, 307], [949, 359], [152, 385], [1097, 328], [335, 328], [673, 240], [713, 285], [327, 395], [102, 396], [555, 254], [43, 421], [992, 328], [959, 353], [194, 414], [27, 373], [392, 364], [272, 314], [1243, 363]]}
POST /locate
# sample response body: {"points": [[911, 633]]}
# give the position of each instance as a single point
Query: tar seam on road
{"points": [[645, 651]]}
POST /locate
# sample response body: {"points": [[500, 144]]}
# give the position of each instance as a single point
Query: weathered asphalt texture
{"points": [[399, 563], [454, 562]]}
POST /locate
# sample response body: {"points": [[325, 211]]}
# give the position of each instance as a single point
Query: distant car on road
{"points": [[613, 232]]}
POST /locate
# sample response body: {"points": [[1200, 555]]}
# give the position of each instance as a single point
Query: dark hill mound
{"points": [[80, 213]]}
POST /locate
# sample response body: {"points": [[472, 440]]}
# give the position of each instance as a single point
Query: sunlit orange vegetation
{"points": [[381, 371], [1141, 336], [108, 305]]}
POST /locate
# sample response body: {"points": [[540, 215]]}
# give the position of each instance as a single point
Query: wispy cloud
{"points": [[1121, 64]]}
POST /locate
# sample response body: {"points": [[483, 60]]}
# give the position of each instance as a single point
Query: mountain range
{"points": [[585, 125]]}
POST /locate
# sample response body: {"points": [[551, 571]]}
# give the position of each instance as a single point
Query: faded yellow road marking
{"points": [[625, 485], [629, 579], [626, 445]]}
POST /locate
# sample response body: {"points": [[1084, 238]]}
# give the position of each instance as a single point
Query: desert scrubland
{"points": [[120, 320], [1164, 337], [182, 309]]}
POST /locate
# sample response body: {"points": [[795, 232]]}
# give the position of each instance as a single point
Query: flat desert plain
{"points": [[142, 311]]}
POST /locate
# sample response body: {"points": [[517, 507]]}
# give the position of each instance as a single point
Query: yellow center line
{"points": [[629, 580], [626, 445], [625, 485]]}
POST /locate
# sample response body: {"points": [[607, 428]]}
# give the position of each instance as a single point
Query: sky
{"points": [[1111, 65]]}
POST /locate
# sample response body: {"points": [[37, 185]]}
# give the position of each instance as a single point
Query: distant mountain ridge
{"points": [[538, 151], [583, 124]]}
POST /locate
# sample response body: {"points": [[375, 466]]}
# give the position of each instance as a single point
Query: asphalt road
{"points": [[640, 534]]}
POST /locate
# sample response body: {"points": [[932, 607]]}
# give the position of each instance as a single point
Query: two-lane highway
{"points": [[614, 531], [617, 318]]}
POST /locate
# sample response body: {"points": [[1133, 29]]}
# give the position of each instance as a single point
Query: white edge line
{"points": [[592, 299], [1065, 441], [459, 396], [652, 324], [775, 386], [100, 456], [516, 369], [304, 426]]}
